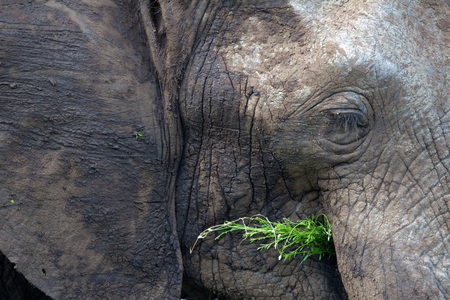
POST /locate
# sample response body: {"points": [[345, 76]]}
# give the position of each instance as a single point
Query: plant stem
{"points": [[307, 237]]}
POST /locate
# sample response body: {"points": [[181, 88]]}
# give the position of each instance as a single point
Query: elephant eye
{"points": [[346, 118]]}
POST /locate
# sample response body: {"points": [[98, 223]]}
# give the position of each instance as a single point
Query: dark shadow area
{"points": [[14, 286], [192, 291]]}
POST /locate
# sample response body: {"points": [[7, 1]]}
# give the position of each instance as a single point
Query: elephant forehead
{"points": [[291, 58], [323, 43], [320, 35]]}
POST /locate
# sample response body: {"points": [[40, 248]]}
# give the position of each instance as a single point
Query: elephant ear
{"points": [[90, 142]]}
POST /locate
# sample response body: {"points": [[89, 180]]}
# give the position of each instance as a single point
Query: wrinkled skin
{"points": [[93, 212], [336, 107], [284, 108]]}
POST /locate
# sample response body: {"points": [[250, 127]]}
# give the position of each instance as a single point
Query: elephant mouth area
{"points": [[234, 262], [262, 276]]}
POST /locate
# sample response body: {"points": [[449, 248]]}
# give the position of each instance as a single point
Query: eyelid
{"points": [[346, 101]]}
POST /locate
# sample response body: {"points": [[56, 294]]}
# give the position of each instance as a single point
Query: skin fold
{"points": [[281, 108]]}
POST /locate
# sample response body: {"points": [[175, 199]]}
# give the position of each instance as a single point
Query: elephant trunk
{"points": [[391, 231]]}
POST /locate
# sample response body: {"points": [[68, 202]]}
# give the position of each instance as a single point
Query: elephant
{"points": [[127, 127]]}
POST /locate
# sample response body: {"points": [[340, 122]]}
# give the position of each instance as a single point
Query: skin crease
{"points": [[385, 187]]}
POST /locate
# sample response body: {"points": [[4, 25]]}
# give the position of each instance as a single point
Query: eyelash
{"points": [[348, 121]]}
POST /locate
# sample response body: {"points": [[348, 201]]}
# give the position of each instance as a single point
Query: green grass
{"points": [[306, 237]]}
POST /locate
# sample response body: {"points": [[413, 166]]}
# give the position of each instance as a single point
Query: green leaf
{"points": [[138, 134]]}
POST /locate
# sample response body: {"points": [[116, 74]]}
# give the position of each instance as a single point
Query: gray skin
{"points": [[284, 108]]}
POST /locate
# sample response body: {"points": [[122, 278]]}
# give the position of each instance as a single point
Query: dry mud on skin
{"points": [[100, 213], [253, 104]]}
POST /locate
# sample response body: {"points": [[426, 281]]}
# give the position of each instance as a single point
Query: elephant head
{"points": [[302, 107], [129, 127]]}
